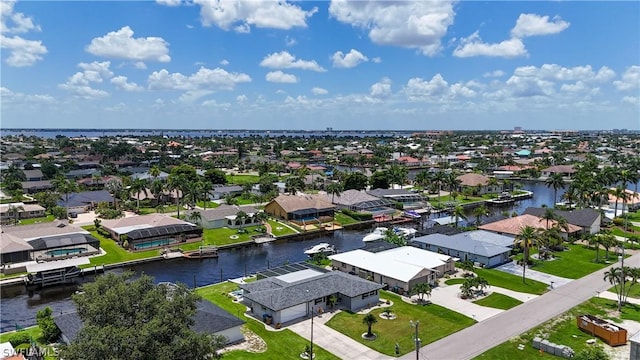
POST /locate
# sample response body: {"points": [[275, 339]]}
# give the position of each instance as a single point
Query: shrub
{"points": [[618, 221], [358, 215], [19, 338]]}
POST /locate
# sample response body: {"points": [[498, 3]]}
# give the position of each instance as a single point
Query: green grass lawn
{"points": [[344, 219], [224, 236], [243, 179], [561, 330], [634, 216], [512, 282], [633, 293], [436, 322], [454, 281], [620, 232], [152, 210], [210, 204], [114, 253], [35, 334], [498, 301], [279, 229], [574, 263], [284, 344], [48, 218]]}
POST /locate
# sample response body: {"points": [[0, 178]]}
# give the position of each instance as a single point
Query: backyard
{"points": [[30, 334], [48, 218], [436, 322]]}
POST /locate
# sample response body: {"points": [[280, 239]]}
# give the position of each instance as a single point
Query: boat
{"points": [[412, 214], [55, 276], [380, 233], [203, 252], [407, 233], [322, 248]]}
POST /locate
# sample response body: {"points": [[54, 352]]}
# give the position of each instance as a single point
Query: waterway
{"points": [[18, 307]]}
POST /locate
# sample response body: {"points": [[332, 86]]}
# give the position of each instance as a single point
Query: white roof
{"points": [[58, 264], [299, 275], [126, 229], [6, 350], [392, 263]]}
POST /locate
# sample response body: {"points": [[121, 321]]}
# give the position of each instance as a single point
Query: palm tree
{"points": [[615, 276], [458, 213], [618, 192], [13, 211], [607, 241], [549, 215], [525, 239], [195, 217], [293, 184], [555, 181], [157, 188], [334, 189], [422, 290], [480, 212], [369, 320], [177, 182], [241, 217], [137, 188], [114, 187], [154, 172], [65, 187]]}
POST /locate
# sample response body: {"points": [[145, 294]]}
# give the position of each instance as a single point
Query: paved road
{"points": [[484, 335]]}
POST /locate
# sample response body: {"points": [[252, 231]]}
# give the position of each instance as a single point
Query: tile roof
{"points": [[580, 217], [223, 211], [34, 231], [152, 220], [292, 203], [515, 224], [472, 179]]}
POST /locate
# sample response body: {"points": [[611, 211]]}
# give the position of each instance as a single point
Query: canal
{"points": [[18, 307]]}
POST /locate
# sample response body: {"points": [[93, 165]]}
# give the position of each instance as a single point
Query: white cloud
{"points": [[532, 25], [410, 24], [281, 77], [376, 60], [319, 91], [224, 62], [22, 52], [140, 65], [122, 83], [560, 73], [191, 96], [289, 41], [9, 97], [284, 60], [242, 99], [633, 100], [121, 44], [630, 79], [169, 2], [352, 59], [495, 73], [417, 88], [241, 15], [527, 86], [80, 83], [473, 46], [203, 79], [381, 89]]}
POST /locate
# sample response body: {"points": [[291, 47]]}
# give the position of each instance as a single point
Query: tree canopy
{"points": [[126, 318]]}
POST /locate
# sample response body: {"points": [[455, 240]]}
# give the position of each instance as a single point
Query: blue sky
{"points": [[311, 65]]}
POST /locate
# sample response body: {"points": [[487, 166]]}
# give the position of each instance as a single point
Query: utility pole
{"points": [[416, 325]]}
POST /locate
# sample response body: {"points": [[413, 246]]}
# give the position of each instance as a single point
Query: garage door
{"points": [[293, 312]]}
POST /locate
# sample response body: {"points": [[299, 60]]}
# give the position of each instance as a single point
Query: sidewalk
{"points": [[515, 269]]}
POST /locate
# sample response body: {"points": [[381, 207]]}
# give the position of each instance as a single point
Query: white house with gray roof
{"points": [[483, 247], [289, 297], [226, 216]]}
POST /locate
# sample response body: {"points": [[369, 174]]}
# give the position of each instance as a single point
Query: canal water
{"points": [[18, 307]]}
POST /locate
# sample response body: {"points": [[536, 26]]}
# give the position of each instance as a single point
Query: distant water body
{"points": [[90, 133]]}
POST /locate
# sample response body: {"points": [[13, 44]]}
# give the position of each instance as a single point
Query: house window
{"points": [[364, 296], [317, 301], [373, 292]]}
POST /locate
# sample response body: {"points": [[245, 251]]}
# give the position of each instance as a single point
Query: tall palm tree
{"points": [[526, 238], [549, 215], [13, 212], [615, 276], [334, 189], [195, 217], [458, 213], [177, 183], [241, 217], [114, 187], [369, 320], [65, 186], [480, 212], [154, 172], [555, 181], [618, 192], [137, 188]]}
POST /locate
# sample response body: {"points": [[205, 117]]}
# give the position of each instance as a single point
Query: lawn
{"points": [[620, 232], [114, 253], [436, 322], [152, 210], [48, 218], [243, 179], [284, 344], [633, 293], [512, 282], [454, 281], [498, 301], [35, 334], [634, 216], [224, 236], [561, 330], [574, 263], [279, 229], [210, 204], [344, 219]]}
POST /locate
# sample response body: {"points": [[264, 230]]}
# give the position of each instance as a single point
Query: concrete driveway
{"points": [[515, 269]]}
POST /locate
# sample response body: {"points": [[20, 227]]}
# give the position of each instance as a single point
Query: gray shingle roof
{"points": [[277, 294], [223, 211], [465, 243], [580, 217]]}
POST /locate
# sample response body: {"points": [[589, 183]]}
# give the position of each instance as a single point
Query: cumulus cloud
{"points": [[80, 83], [122, 45], [240, 15], [417, 88], [9, 97], [381, 89], [495, 73], [319, 91], [281, 77], [224, 62], [284, 60], [122, 83], [410, 24], [376, 60], [473, 46], [352, 59], [171, 3], [633, 100], [22, 52], [242, 98], [560, 73], [532, 25], [215, 79], [630, 79], [528, 86]]}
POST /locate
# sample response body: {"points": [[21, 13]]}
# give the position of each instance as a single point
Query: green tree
{"points": [[369, 320], [47, 199], [355, 180], [334, 189], [195, 217], [422, 290], [294, 184], [130, 318], [216, 176], [591, 353], [64, 186], [555, 181], [44, 319], [379, 180], [480, 212], [458, 213], [139, 188], [525, 239], [467, 266]]}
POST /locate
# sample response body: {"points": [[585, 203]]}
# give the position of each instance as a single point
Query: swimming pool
{"points": [[64, 252], [154, 243]]}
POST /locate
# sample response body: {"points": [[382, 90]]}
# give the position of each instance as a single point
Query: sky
{"points": [[304, 65]]}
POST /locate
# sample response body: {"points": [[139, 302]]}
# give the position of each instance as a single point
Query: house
{"points": [[631, 203], [408, 199], [226, 216], [470, 246], [401, 267], [478, 183], [151, 231], [46, 241], [566, 171], [588, 219], [30, 187], [301, 209], [290, 296], [208, 319], [221, 191], [356, 200], [513, 226], [85, 201], [22, 211], [33, 175]]}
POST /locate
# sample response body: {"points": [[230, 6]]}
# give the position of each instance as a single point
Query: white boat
{"points": [[407, 233], [323, 248], [377, 234]]}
